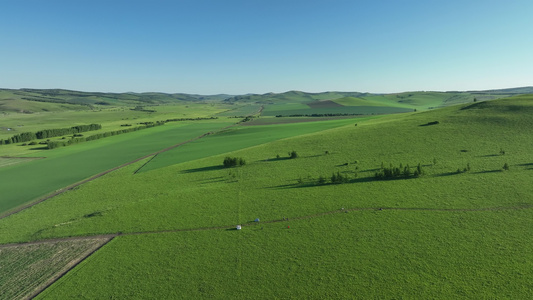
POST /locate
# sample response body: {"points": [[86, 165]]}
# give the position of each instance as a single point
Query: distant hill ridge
{"points": [[29, 100]]}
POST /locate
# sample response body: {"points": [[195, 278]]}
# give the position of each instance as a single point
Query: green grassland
{"points": [[238, 138], [27, 181], [447, 234], [26, 269]]}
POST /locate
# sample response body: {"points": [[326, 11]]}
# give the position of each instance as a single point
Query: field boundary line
{"points": [[74, 185], [251, 223]]}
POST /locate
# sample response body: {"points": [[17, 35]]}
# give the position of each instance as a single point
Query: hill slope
{"points": [[460, 230]]}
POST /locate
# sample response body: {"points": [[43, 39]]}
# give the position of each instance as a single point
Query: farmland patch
{"points": [[323, 104], [26, 269]]}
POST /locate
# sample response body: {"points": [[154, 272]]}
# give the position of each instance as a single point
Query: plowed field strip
{"points": [[71, 265]]}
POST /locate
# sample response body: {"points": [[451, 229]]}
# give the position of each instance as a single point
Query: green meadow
{"points": [[459, 230]]}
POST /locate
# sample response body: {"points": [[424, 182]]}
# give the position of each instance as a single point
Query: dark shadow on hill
{"points": [[39, 148], [430, 123], [488, 171], [490, 155], [370, 170], [315, 183], [526, 165], [277, 158], [210, 168], [447, 174], [212, 180]]}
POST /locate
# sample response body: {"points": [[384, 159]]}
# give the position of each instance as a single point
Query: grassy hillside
{"points": [[460, 230]]}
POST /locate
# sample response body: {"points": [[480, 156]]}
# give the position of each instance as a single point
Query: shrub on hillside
{"points": [[230, 162], [293, 154]]}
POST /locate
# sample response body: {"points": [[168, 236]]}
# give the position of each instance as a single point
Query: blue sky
{"points": [[252, 46]]}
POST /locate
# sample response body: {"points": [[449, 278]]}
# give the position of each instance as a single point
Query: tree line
{"points": [[393, 172], [48, 133], [56, 144]]}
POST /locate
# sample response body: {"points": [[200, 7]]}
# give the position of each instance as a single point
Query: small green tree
{"points": [[506, 167], [293, 154]]}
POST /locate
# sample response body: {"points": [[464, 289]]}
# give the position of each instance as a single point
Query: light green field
{"points": [[443, 235], [240, 110], [352, 101], [238, 138]]}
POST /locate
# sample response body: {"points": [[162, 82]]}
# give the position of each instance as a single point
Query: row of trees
{"points": [[393, 172], [48, 133], [56, 144]]}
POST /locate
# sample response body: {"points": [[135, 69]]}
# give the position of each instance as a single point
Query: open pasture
{"points": [[355, 255]]}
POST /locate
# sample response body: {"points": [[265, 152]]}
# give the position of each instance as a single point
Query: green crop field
{"points": [[24, 182], [459, 230], [238, 138]]}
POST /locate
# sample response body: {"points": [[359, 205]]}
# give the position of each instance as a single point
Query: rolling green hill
{"points": [[460, 230], [38, 100]]}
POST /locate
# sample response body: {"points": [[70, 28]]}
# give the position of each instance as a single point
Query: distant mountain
{"points": [[33, 100]]}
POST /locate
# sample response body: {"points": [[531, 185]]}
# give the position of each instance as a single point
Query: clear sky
{"points": [[252, 46]]}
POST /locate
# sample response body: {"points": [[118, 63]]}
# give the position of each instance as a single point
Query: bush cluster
{"points": [[293, 154], [230, 162]]}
